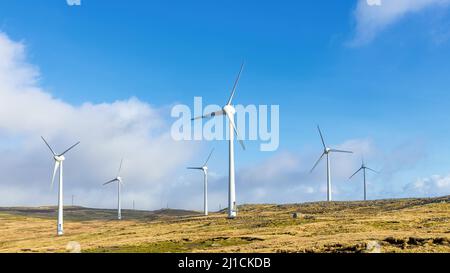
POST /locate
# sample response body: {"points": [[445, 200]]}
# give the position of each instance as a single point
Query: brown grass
{"points": [[410, 225]]}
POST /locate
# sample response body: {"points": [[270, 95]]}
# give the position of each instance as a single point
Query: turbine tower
{"points": [[326, 152], [59, 159], [204, 168], [229, 111], [119, 180], [363, 168]]}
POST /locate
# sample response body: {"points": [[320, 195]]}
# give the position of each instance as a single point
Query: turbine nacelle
{"points": [[327, 150], [229, 109], [117, 179], [59, 158]]}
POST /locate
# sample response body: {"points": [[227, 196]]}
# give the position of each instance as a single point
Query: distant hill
{"points": [[365, 206], [87, 214]]}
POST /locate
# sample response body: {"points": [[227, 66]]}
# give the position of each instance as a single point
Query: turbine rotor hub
{"points": [[229, 109], [59, 158]]}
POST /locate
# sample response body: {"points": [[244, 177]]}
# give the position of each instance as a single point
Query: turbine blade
{"points": [[235, 85], [317, 163], [46, 143], [209, 157], [321, 137], [110, 181], [194, 168], [341, 151], [235, 130], [54, 173], [356, 173], [210, 115], [372, 170], [120, 167], [71, 147]]}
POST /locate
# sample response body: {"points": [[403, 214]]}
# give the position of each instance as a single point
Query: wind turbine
{"points": [[229, 111], [204, 168], [327, 151], [363, 168], [59, 159], [118, 179]]}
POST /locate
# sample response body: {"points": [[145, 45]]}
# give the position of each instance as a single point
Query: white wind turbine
{"points": [[327, 151], [363, 168], [119, 181], [229, 111], [204, 168], [59, 159]]}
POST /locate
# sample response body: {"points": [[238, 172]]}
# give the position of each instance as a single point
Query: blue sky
{"points": [[307, 56]]}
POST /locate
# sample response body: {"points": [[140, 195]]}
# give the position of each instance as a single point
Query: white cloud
{"points": [[108, 131], [373, 18], [73, 2], [435, 185], [374, 2]]}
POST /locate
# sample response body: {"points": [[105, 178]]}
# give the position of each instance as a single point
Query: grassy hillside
{"points": [[88, 214], [407, 225]]}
